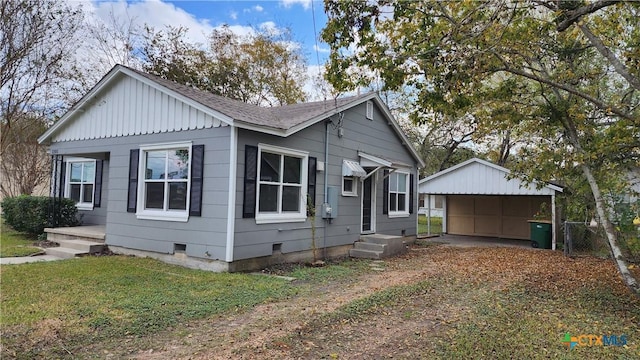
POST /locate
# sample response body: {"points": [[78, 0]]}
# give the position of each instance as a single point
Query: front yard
{"points": [[434, 302], [13, 243]]}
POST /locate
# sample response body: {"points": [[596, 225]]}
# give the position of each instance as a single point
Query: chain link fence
{"points": [[582, 239]]}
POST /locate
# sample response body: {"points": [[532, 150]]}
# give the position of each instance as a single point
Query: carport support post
{"points": [[428, 214], [553, 221]]}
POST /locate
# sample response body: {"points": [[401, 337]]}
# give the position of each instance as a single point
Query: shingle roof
{"points": [[282, 117], [280, 120]]}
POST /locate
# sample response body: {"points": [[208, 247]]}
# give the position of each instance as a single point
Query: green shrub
{"points": [[31, 214]]}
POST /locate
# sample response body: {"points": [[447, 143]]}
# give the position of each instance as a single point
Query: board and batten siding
{"points": [[375, 137], [131, 107], [202, 235]]}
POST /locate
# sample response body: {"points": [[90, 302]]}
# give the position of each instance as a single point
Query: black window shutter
{"points": [[134, 157], [411, 193], [311, 183], [385, 192], [97, 197], [250, 181], [197, 176], [63, 177]]}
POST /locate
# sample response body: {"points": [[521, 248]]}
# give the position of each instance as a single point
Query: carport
{"points": [[480, 200]]}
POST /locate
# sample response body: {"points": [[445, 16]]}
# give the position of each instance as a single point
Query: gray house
{"points": [[165, 170]]}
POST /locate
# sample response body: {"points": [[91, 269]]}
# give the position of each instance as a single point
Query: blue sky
{"points": [[203, 16]]}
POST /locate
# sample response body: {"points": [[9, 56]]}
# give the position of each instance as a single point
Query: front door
{"points": [[368, 205]]}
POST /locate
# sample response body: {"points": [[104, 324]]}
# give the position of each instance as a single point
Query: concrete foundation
{"points": [[236, 266]]}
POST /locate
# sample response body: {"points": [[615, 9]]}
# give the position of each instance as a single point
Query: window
{"points": [[438, 201], [282, 176], [165, 182], [398, 194], [351, 171], [81, 176], [369, 114], [349, 186]]}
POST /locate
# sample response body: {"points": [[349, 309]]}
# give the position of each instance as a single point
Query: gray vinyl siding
{"points": [[373, 137], [201, 235]]}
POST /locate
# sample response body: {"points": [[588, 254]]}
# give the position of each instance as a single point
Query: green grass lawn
{"points": [[436, 225], [88, 299], [13, 243]]}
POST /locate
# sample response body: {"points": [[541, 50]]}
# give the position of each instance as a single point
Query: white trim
{"points": [[553, 222], [231, 206], [485, 163], [283, 217], [373, 160], [407, 192], [80, 205], [369, 112], [155, 214], [181, 216], [354, 186], [374, 187]]}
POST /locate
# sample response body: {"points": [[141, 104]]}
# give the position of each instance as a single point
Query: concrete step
{"points": [[369, 246], [365, 254], [393, 244], [380, 238], [84, 245], [64, 253]]}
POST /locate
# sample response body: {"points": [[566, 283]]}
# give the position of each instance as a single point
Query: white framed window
{"points": [[282, 183], [398, 194], [164, 185], [349, 186], [80, 180], [369, 114]]}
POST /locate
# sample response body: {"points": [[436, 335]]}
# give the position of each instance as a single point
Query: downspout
{"points": [[231, 196], [326, 184]]}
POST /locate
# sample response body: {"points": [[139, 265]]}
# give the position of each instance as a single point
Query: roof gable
{"points": [[160, 105], [124, 103], [480, 177]]}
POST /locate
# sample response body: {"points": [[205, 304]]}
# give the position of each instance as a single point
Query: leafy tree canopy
{"points": [[263, 68], [564, 75]]}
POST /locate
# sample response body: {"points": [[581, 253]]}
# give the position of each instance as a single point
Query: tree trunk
{"points": [[603, 212]]}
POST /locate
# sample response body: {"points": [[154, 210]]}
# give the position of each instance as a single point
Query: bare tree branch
{"points": [[597, 102], [609, 55], [575, 15]]}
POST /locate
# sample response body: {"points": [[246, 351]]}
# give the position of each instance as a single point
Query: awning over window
{"points": [[352, 168]]}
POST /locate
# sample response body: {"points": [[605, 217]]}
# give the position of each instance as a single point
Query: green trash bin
{"points": [[540, 234]]}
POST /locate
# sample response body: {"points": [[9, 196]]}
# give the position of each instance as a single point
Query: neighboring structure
{"points": [[169, 169], [481, 200], [432, 205]]}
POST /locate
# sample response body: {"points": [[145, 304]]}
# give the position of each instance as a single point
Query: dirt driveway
{"points": [[346, 319]]}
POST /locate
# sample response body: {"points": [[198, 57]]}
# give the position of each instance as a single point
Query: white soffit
{"points": [[352, 168], [479, 177]]}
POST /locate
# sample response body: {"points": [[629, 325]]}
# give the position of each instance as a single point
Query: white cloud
{"points": [[306, 4], [258, 8], [270, 27], [321, 49], [156, 14], [234, 15]]}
